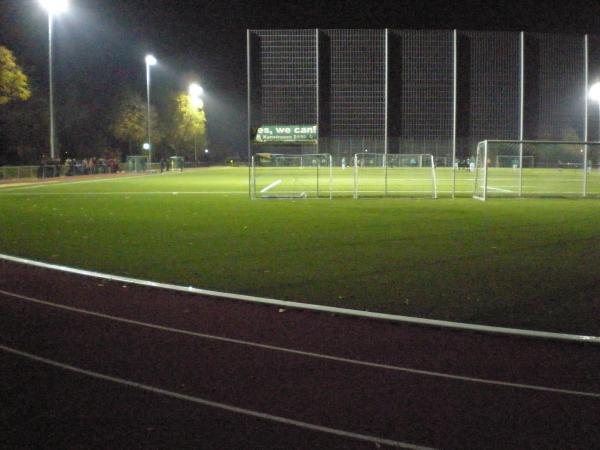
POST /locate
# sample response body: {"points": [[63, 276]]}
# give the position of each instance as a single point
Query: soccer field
{"points": [[524, 263]]}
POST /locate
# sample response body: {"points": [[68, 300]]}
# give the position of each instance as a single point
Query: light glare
{"points": [[197, 103], [150, 60], [595, 92], [54, 7], [196, 90]]}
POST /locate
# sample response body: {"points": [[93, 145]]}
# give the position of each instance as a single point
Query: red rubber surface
{"points": [[53, 408]]}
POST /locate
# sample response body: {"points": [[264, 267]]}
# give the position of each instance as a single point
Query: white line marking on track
{"points": [[212, 404], [302, 353], [271, 186], [309, 306]]}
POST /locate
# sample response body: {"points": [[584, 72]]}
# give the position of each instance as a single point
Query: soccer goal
{"points": [[137, 163], [279, 176], [393, 174], [537, 169]]}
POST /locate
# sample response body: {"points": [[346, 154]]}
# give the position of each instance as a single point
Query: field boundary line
{"points": [[62, 181], [311, 307], [212, 404], [58, 194], [307, 354]]}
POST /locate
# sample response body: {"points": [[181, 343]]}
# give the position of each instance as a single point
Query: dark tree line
{"points": [[101, 121]]}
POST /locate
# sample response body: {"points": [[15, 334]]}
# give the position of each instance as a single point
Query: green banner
{"points": [[287, 134]]}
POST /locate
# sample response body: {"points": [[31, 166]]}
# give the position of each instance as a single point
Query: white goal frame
{"points": [[482, 164]]}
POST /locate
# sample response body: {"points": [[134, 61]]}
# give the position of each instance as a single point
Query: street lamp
{"points": [[53, 8], [150, 61]]}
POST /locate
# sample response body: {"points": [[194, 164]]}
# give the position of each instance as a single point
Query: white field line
{"points": [[212, 404], [308, 306], [304, 353], [31, 194], [62, 182], [271, 186], [499, 189]]}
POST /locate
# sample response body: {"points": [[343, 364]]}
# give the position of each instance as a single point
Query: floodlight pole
{"points": [[51, 82], [52, 148], [586, 88], [148, 115], [150, 61]]}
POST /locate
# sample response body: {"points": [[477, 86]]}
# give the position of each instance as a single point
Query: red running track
{"points": [[94, 364]]}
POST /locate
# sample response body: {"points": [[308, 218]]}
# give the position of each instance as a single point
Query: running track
{"points": [[86, 363]]}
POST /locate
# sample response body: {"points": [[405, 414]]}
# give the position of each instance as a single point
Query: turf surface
{"points": [[525, 263]]}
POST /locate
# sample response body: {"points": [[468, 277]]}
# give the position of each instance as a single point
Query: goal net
{"points": [[280, 176], [537, 169], [513, 161], [377, 175]]}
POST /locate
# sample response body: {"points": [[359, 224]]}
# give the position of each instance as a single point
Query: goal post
{"points": [[528, 168], [281, 176], [394, 174]]}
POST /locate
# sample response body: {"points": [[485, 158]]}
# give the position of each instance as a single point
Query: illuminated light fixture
{"points": [[150, 60], [195, 91], [54, 7], [594, 93]]}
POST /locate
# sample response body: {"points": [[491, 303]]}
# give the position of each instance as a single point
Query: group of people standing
{"points": [[91, 166]]}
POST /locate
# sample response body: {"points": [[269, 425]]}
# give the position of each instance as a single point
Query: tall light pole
{"points": [[195, 91], [150, 61], [54, 8]]}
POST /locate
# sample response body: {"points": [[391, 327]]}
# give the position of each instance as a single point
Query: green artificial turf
{"points": [[526, 263]]}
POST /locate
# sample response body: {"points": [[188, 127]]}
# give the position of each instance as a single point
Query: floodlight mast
{"points": [[53, 8], [150, 61]]}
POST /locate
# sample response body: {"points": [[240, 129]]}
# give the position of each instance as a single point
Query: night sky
{"points": [[100, 45]]}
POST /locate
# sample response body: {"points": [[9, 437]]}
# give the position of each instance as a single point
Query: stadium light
{"points": [[53, 8], [195, 91], [594, 94], [150, 61]]}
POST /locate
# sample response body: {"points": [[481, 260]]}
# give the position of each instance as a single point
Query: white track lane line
{"points": [[217, 405], [303, 353], [309, 306], [271, 186]]}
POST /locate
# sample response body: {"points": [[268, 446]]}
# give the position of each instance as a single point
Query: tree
{"points": [[130, 121], [188, 127], [14, 84]]}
